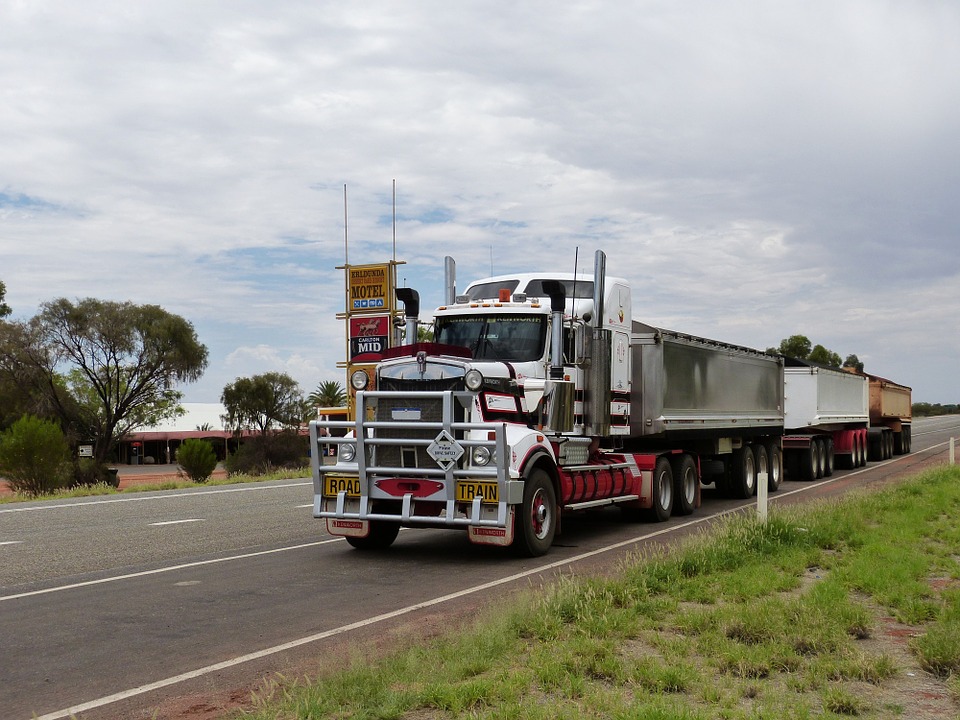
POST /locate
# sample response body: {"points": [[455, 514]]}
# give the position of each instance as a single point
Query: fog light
{"points": [[347, 452], [482, 456]]}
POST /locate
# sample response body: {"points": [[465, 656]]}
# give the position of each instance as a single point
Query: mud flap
{"points": [[348, 528], [485, 535]]}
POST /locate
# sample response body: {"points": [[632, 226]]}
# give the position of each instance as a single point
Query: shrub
{"points": [[261, 454], [34, 456], [86, 471], [197, 459]]}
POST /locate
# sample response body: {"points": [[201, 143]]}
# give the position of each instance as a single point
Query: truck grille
{"points": [[431, 411]]}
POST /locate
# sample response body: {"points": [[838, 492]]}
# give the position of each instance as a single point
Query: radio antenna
{"points": [[394, 219], [346, 256]]}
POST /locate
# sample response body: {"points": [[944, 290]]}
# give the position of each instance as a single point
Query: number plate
{"points": [[333, 485], [467, 491]]}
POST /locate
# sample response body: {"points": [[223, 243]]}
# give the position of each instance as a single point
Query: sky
{"points": [[755, 169]]}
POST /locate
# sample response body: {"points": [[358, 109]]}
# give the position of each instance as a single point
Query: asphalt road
{"points": [[170, 604]]}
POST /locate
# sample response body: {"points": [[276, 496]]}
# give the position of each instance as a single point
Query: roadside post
{"points": [[762, 496], [953, 451]]}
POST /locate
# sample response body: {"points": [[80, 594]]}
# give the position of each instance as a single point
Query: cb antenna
{"points": [[346, 257]]}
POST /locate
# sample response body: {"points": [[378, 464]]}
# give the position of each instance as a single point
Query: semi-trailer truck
{"points": [[540, 397]]}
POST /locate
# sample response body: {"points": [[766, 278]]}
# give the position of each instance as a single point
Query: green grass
{"points": [[747, 621], [173, 484]]}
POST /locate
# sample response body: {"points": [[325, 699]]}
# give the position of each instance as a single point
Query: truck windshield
{"points": [[515, 338]]}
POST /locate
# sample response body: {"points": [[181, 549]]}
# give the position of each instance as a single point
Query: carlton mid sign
{"points": [[370, 288], [369, 337]]}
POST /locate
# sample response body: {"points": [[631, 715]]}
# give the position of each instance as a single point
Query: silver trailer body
{"points": [[684, 384], [818, 398]]}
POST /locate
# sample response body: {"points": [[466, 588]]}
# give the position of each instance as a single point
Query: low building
{"points": [[158, 444]]}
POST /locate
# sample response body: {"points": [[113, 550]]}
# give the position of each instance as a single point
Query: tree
{"points": [[4, 308], [853, 361], [121, 361], [795, 346], [329, 393], [262, 402], [822, 356], [799, 347]]}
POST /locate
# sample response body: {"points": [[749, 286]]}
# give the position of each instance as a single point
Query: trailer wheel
{"points": [[685, 484], [888, 437], [828, 457], [775, 462], [382, 534], [809, 462], [538, 516], [743, 473], [863, 449]]}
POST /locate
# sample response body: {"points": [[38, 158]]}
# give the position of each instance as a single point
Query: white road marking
{"points": [[11, 542], [140, 498], [176, 522], [172, 568]]}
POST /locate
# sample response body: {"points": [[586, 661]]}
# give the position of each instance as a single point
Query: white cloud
{"points": [[755, 171]]}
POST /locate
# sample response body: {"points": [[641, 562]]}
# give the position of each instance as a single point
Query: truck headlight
{"points": [[473, 379], [347, 452], [359, 380]]}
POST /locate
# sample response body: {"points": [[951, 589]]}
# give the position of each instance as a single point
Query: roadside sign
{"points": [[370, 288], [369, 337]]}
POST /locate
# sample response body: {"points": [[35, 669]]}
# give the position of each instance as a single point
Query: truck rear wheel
{"points": [[775, 461], [382, 534], [685, 484], [809, 461], [743, 473], [828, 457], [538, 516]]}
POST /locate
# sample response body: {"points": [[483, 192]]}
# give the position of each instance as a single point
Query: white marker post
{"points": [[762, 481], [953, 451]]}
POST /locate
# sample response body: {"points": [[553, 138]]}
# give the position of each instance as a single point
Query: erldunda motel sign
{"points": [[370, 311]]}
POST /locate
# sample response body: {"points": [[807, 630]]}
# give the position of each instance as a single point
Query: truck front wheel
{"points": [[538, 517]]}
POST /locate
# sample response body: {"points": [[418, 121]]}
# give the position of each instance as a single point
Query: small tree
{"points": [[821, 355], [853, 361], [34, 456], [262, 402], [329, 393], [197, 459]]}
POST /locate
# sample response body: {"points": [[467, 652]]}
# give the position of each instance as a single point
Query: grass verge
{"points": [[842, 609]]}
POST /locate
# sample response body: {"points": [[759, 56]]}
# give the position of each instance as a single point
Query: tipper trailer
{"points": [[826, 418], [542, 397], [891, 416]]}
